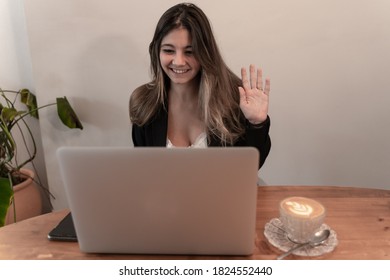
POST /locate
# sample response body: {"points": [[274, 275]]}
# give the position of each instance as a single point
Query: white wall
{"points": [[15, 74], [328, 62]]}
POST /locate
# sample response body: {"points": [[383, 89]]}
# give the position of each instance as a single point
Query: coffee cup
{"points": [[301, 217]]}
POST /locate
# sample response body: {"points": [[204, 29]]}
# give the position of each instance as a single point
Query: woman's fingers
{"points": [[267, 86], [259, 83], [253, 76], [242, 94], [255, 80], [244, 78]]}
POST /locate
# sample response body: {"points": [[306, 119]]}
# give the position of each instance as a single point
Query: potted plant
{"points": [[13, 120]]}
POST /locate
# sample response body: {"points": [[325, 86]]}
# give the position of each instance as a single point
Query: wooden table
{"points": [[360, 217]]}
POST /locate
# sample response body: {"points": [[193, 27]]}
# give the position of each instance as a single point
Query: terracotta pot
{"points": [[27, 199]]}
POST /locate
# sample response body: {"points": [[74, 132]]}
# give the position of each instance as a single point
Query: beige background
{"points": [[328, 62]]}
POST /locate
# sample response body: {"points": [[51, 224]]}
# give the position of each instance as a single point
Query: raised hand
{"points": [[254, 98]]}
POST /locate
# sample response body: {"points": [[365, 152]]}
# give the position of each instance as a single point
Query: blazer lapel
{"points": [[159, 129]]}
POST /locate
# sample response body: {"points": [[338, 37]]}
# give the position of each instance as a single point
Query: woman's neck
{"points": [[183, 93]]}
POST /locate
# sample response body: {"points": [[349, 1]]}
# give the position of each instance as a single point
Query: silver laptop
{"points": [[162, 201]]}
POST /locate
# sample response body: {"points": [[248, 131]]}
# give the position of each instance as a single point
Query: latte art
{"points": [[301, 217], [302, 207], [299, 208]]}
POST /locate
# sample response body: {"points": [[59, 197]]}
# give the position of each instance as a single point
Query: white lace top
{"points": [[200, 142]]}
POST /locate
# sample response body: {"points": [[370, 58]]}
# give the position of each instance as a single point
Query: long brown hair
{"points": [[218, 89]]}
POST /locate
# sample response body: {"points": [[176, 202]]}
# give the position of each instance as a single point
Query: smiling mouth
{"points": [[180, 71]]}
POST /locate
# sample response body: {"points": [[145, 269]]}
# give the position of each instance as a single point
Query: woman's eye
{"points": [[168, 51], [189, 53]]}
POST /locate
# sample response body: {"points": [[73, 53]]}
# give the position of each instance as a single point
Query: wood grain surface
{"points": [[360, 217]]}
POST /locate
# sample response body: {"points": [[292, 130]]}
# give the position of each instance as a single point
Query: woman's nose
{"points": [[179, 59]]}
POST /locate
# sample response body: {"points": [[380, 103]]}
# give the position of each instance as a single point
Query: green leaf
{"points": [[6, 194], [9, 114], [30, 100], [67, 114]]}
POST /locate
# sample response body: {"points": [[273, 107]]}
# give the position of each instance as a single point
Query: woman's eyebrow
{"points": [[172, 46], [167, 45]]}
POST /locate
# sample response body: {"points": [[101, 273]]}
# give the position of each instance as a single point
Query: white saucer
{"points": [[277, 236]]}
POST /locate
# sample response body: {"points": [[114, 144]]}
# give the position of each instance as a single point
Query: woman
{"points": [[194, 99]]}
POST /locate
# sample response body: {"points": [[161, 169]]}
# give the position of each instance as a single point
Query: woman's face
{"points": [[176, 57]]}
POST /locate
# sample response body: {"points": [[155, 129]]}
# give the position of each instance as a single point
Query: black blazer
{"points": [[154, 134]]}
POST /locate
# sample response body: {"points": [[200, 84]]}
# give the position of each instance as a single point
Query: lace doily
{"points": [[277, 236]]}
